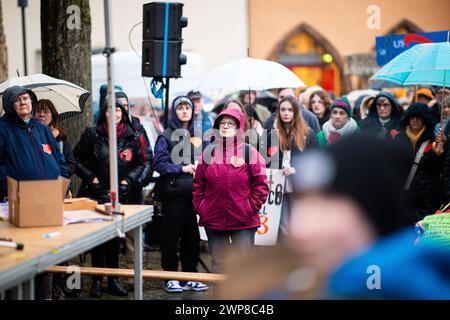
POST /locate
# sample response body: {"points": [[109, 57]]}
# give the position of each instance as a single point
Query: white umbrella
{"points": [[68, 98], [250, 73]]}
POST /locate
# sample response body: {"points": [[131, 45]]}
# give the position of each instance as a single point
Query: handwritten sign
{"points": [[270, 212], [437, 230]]}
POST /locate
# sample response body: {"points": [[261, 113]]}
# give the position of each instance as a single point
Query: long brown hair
{"points": [[47, 104], [299, 131], [323, 96]]}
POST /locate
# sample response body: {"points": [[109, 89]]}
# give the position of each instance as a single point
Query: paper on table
{"points": [[84, 216], [4, 213], [437, 229]]}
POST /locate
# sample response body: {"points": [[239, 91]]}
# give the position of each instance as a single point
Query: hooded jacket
{"points": [[425, 193], [372, 125], [27, 151], [92, 155], [173, 181], [227, 196], [147, 152]]}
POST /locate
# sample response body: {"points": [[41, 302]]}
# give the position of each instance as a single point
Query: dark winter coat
{"points": [[92, 155], [325, 118], [372, 125], [27, 151], [147, 152], [227, 196], [425, 194], [137, 196], [67, 150], [436, 113]]}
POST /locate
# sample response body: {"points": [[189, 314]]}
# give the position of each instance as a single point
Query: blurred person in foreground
{"points": [[347, 240]]}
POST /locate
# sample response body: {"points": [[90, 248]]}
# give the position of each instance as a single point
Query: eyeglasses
{"points": [[230, 124]]}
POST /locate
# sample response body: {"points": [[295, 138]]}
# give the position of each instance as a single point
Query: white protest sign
{"points": [[270, 212]]}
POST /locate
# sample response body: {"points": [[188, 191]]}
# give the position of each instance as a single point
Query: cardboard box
{"points": [[36, 203], [79, 204]]}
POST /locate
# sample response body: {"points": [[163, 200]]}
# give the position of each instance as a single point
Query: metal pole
{"points": [[138, 293], [114, 185], [166, 110], [24, 38]]}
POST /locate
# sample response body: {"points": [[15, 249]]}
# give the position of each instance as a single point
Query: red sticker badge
{"points": [[47, 148], [126, 155]]}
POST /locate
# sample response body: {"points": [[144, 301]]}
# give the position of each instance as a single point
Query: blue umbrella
{"points": [[423, 64], [426, 64]]}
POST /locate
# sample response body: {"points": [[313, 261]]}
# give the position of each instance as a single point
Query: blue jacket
{"points": [[27, 151], [406, 271], [205, 124]]}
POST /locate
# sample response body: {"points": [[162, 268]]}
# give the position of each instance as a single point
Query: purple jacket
{"points": [[229, 197]]}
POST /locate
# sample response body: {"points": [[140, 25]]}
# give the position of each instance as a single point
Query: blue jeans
{"points": [[220, 242]]}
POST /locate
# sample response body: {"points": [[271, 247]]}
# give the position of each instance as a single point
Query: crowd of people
{"points": [[214, 166]]}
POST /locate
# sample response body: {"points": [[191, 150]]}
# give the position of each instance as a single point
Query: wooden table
{"points": [[18, 268]]}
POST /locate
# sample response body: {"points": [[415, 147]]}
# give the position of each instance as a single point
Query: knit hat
{"points": [[344, 104], [368, 170], [425, 92], [194, 95]]}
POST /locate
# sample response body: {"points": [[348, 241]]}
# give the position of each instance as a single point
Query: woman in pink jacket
{"points": [[229, 188]]}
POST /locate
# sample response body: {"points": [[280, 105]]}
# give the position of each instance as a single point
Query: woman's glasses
{"points": [[228, 123]]}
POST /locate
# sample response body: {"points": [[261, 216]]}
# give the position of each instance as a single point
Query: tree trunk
{"points": [[3, 50], [66, 54]]}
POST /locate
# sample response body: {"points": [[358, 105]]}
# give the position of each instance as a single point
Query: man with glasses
{"points": [[384, 116]]}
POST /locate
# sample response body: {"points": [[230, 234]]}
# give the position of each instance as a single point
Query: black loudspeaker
{"points": [[154, 15]]}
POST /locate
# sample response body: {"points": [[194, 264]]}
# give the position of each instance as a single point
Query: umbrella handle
{"points": [[442, 102]]}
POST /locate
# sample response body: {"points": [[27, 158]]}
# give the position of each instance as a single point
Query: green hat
{"points": [[344, 104]]}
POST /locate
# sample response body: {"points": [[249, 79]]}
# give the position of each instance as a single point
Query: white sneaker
{"points": [[173, 286], [195, 286]]}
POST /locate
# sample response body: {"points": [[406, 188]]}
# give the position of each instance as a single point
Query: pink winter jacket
{"points": [[228, 197]]}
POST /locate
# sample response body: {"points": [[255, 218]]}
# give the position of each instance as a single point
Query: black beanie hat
{"points": [[366, 169], [418, 109]]}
